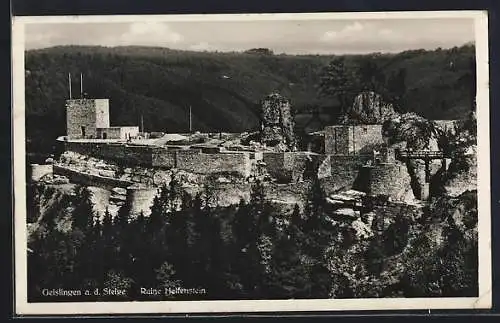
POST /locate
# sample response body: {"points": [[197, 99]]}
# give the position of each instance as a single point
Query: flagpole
{"points": [[69, 82], [190, 121]]}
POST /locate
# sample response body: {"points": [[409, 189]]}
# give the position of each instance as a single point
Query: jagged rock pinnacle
{"points": [[277, 123]]}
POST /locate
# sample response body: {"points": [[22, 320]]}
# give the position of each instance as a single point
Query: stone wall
{"points": [[138, 156], [192, 160], [77, 147], [292, 166], [114, 152], [163, 158], [128, 155], [337, 140], [366, 137], [346, 140], [391, 179], [201, 163], [344, 172]]}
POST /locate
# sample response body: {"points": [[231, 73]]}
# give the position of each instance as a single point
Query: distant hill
{"points": [[223, 89]]}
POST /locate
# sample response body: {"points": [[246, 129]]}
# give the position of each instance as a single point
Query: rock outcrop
{"points": [[461, 142], [417, 132], [277, 123], [368, 108], [462, 174], [413, 132]]}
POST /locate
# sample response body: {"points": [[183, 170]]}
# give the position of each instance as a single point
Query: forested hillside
{"points": [[223, 89]]}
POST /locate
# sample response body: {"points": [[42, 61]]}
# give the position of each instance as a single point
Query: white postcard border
{"points": [[22, 307]]}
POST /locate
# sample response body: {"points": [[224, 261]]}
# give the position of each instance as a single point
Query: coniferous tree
{"points": [[318, 235], [288, 277], [109, 242], [83, 213], [458, 263], [245, 255], [95, 262], [82, 239], [177, 237], [316, 225], [154, 248]]}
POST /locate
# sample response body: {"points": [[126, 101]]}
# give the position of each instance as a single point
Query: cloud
{"points": [[304, 37], [374, 36], [150, 33], [346, 32]]}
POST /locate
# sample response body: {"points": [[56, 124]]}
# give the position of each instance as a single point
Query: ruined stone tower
{"points": [[85, 116], [277, 128]]}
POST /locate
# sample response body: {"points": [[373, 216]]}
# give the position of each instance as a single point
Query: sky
{"points": [[282, 36]]}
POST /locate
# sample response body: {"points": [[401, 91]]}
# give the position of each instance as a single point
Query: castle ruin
{"points": [[353, 157]]}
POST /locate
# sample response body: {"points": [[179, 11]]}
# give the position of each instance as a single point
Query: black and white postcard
{"points": [[251, 163]]}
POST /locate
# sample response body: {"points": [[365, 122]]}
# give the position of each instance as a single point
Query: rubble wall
{"points": [[201, 163], [114, 152], [163, 158], [291, 166], [344, 172], [120, 153], [78, 147], [391, 179], [192, 160], [138, 155]]}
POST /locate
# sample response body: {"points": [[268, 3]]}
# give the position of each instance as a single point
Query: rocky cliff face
{"points": [[412, 251], [462, 174], [368, 108], [413, 132], [277, 123]]}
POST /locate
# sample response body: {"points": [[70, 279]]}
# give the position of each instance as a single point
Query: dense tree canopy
{"points": [[250, 251]]}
